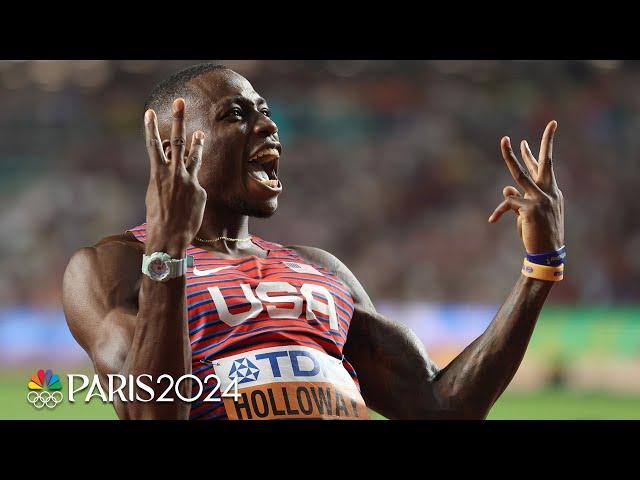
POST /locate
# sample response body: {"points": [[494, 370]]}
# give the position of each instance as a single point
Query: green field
{"points": [[563, 405], [567, 405], [549, 404]]}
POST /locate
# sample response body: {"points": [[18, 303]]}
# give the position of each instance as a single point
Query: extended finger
{"points": [[152, 139], [545, 171], [518, 172], [195, 153], [529, 159], [177, 132]]}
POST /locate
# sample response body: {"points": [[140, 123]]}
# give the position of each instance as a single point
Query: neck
{"points": [[219, 221]]}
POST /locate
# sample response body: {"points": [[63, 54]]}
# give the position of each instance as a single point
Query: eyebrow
{"points": [[240, 99]]}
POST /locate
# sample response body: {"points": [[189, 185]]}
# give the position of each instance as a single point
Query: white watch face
{"points": [[158, 269]]}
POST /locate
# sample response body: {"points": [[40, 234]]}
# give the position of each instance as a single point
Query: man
{"points": [[288, 329]]}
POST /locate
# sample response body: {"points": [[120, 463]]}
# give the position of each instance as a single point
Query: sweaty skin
{"points": [[129, 324]]}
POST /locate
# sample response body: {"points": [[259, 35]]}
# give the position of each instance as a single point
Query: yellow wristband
{"points": [[542, 272]]}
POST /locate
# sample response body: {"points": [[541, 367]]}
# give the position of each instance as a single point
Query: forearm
{"points": [[474, 380], [397, 377], [160, 342]]}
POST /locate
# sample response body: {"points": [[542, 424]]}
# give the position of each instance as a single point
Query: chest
{"points": [[240, 292]]}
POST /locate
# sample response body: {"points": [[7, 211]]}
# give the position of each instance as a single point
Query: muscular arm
{"points": [[126, 322], [479, 375], [396, 376], [400, 381], [128, 325]]}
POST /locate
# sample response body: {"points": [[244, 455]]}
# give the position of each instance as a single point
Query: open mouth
{"points": [[263, 167]]}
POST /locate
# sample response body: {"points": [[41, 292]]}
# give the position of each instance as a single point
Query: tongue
{"points": [[261, 174], [258, 171]]}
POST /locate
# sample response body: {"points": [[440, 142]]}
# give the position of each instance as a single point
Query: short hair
{"points": [[175, 86]]}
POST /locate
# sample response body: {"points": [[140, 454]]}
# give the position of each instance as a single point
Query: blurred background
{"points": [[393, 166]]}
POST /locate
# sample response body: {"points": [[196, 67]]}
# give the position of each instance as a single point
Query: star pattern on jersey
{"points": [[244, 370]]}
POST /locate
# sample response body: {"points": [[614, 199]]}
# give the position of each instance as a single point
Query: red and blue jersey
{"points": [[275, 325]]}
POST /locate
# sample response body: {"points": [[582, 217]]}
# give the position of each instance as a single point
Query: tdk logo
{"points": [[277, 364], [244, 371], [300, 367]]}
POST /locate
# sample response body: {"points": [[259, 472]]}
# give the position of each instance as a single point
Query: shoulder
{"points": [[104, 257], [99, 293], [335, 265], [102, 276]]}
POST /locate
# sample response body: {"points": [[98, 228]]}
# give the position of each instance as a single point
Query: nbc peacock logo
{"points": [[44, 389]]}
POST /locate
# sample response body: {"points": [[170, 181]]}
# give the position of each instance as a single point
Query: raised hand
{"points": [[540, 212], [175, 200]]}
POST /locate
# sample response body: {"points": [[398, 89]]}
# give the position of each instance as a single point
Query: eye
{"points": [[266, 112], [235, 112]]}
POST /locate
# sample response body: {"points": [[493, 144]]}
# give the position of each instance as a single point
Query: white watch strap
{"points": [[177, 267]]}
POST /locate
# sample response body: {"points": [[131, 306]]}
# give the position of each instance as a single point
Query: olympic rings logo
{"points": [[42, 399]]}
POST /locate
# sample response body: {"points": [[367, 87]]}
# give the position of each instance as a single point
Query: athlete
{"points": [[289, 329]]}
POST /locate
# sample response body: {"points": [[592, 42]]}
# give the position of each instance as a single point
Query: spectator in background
{"points": [[413, 140]]}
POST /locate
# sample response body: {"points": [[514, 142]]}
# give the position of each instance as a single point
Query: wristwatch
{"points": [[159, 266]]}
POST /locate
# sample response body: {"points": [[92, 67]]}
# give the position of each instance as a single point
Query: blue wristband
{"points": [[550, 259]]}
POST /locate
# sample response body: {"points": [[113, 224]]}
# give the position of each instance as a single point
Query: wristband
{"points": [[552, 259], [542, 272]]}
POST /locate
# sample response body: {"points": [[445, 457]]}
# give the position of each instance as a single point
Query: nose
{"points": [[265, 127]]}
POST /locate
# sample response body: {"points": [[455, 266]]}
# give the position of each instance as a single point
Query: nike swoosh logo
{"points": [[202, 273]]}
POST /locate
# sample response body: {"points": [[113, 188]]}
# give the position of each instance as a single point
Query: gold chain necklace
{"points": [[228, 239]]}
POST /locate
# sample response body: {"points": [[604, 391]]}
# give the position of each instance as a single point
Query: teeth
{"points": [[270, 152], [271, 183]]}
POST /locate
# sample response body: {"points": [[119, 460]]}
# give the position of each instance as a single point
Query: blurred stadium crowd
{"points": [[393, 166]]}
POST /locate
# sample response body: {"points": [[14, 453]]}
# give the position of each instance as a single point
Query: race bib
{"points": [[289, 382]]}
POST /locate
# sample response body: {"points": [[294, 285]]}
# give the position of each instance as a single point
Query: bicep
{"points": [[99, 316], [394, 370]]}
